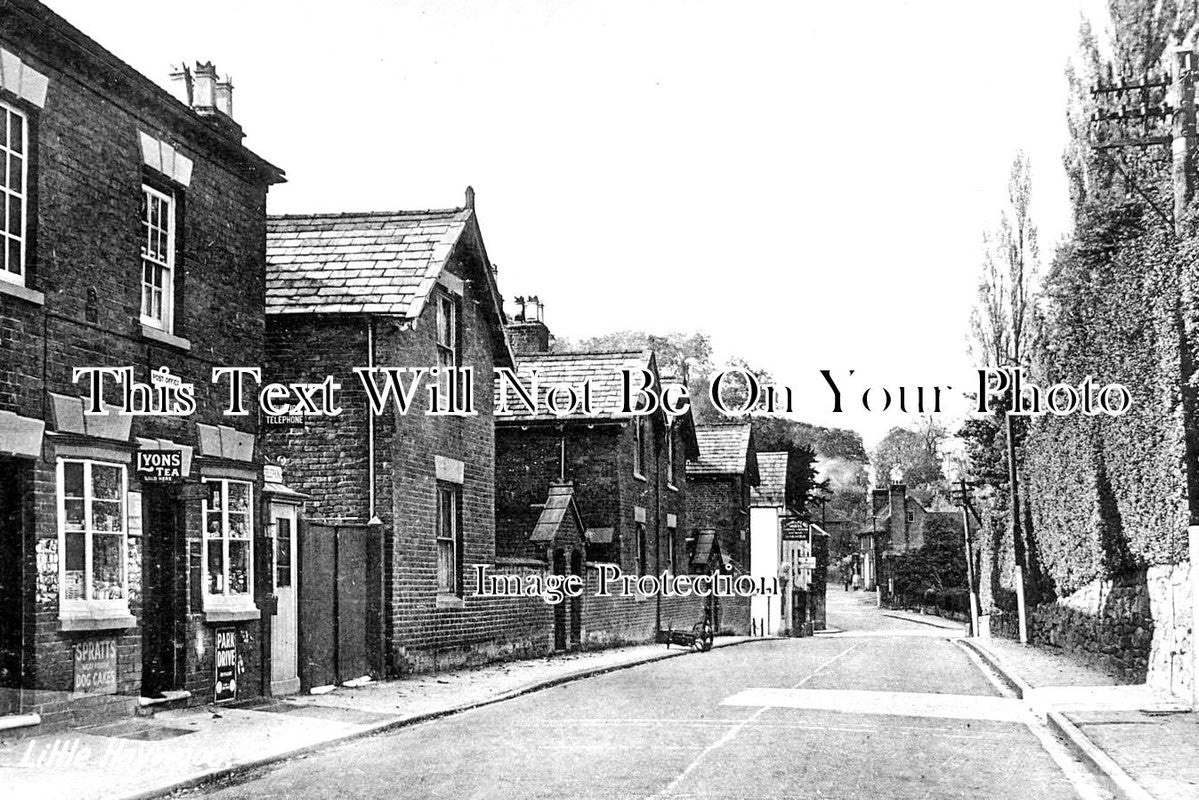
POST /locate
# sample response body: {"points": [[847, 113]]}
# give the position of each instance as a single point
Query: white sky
{"points": [[806, 182]]}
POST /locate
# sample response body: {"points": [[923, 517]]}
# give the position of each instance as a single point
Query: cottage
{"points": [[130, 546], [719, 481], [401, 501], [626, 469], [898, 525]]}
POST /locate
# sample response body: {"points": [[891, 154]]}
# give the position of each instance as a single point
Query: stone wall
{"points": [[1137, 627]]}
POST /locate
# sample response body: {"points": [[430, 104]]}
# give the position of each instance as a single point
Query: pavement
{"points": [[884, 704], [1144, 741], [154, 756]]}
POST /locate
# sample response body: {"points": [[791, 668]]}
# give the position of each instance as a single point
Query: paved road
{"points": [[887, 709]]}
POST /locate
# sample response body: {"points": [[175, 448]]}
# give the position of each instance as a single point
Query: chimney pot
{"points": [[470, 198], [223, 96], [181, 83], [204, 88]]}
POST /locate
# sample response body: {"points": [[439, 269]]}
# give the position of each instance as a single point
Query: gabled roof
{"points": [[371, 263], [724, 450], [559, 511], [772, 479], [601, 370]]}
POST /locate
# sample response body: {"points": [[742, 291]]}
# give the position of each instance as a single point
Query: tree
{"points": [[914, 455], [1004, 318]]}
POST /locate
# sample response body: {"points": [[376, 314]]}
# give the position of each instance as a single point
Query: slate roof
{"points": [[603, 370], [559, 508], [368, 263], [723, 450], [703, 547], [772, 479]]}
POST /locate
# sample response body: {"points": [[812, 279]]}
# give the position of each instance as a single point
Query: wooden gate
{"points": [[340, 603]]}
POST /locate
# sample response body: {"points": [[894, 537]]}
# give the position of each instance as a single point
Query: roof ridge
{"points": [[573, 353], [337, 214]]}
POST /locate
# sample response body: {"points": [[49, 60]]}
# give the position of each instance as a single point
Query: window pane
{"points": [[73, 516], [239, 567], [14, 178], [72, 479], [216, 568], [106, 515], [16, 139], [283, 552], [239, 526], [213, 502], [15, 265], [445, 565], [108, 572], [239, 497], [4, 117], [72, 588], [106, 482]]}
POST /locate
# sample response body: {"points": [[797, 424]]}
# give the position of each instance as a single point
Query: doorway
{"points": [[163, 591], [560, 607], [13, 484], [285, 677], [576, 603]]}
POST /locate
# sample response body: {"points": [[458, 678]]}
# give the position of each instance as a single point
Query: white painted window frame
{"points": [[89, 606], [454, 538], [224, 600], [167, 321], [5, 275]]}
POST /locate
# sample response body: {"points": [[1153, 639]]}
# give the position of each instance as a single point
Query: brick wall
{"points": [[717, 502], [85, 181]]}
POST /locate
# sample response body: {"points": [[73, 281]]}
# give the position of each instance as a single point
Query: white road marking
{"points": [[902, 704], [1085, 784], [732, 732]]}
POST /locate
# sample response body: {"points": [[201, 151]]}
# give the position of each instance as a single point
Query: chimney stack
{"points": [[898, 494], [208, 96], [224, 96], [181, 84], [527, 332]]}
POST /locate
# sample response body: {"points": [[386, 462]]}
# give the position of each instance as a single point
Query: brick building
{"points": [[627, 472], [409, 289], [897, 526], [134, 237], [719, 482]]}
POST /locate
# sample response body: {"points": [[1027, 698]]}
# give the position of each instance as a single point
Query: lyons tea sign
{"points": [[160, 466]]}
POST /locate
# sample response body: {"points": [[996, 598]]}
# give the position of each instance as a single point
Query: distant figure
{"points": [[848, 576], [857, 581]]}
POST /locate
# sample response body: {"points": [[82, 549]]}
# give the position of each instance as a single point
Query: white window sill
{"points": [[450, 601], [638, 476], [107, 616], [241, 608], [672, 487], [22, 292], [162, 337]]}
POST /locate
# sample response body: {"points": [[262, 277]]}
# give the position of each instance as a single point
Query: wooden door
{"points": [[285, 676]]}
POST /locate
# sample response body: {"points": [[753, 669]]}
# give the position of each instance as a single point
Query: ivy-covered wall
{"points": [[1106, 498]]}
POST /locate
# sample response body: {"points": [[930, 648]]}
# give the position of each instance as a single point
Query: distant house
{"points": [[782, 542], [625, 473], [719, 483], [898, 524]]}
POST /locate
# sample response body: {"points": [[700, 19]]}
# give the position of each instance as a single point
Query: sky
{"points": [[806, 183]]}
